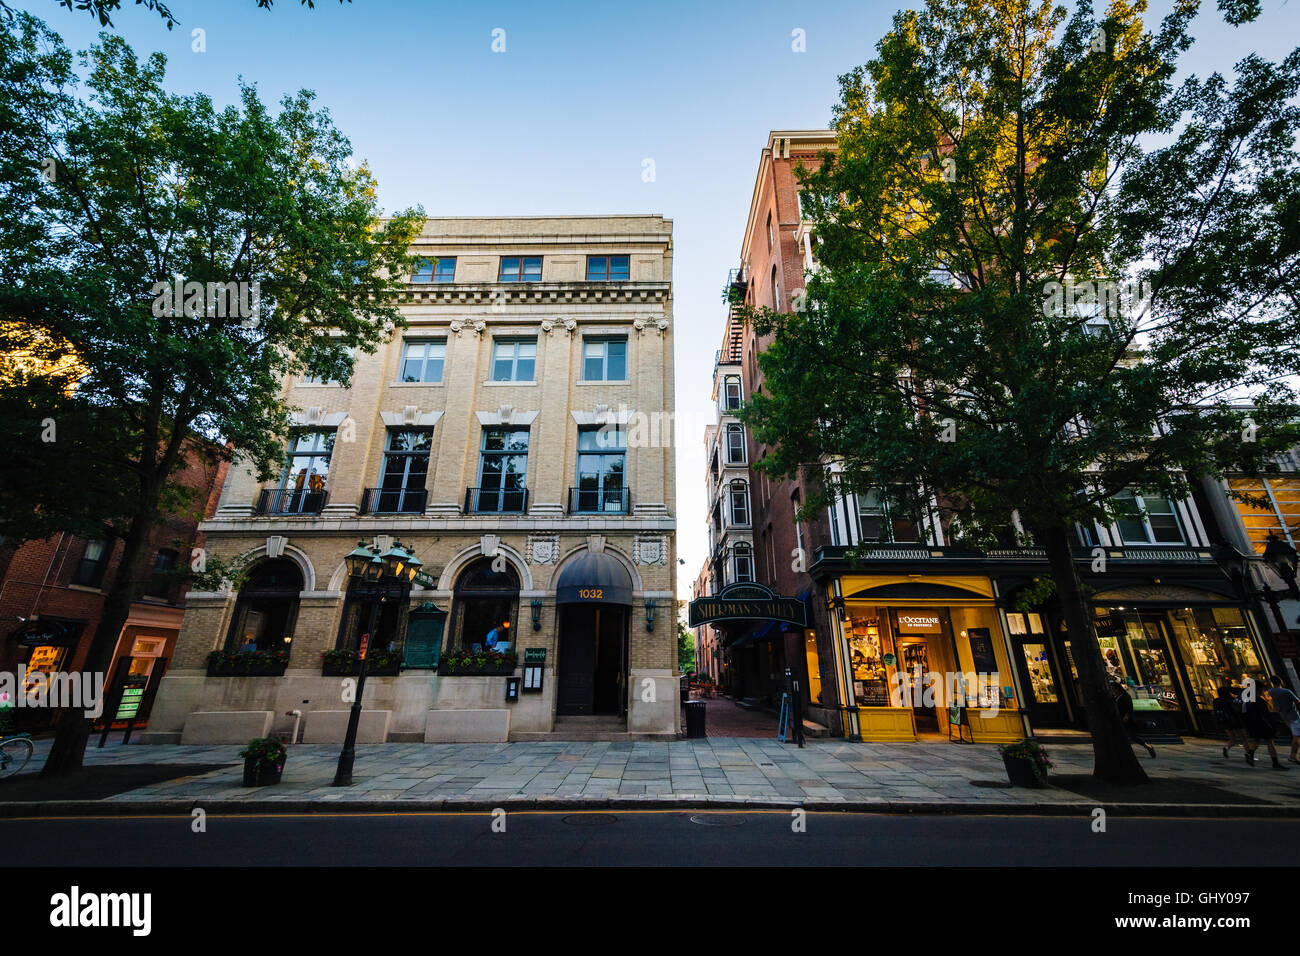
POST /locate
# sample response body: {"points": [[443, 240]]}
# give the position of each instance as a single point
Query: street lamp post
{"points": [[378, 576]]}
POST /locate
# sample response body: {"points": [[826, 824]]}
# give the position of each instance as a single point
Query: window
{"points": [[514, 360], [423, 360], [406, 465], [739, 502], [484, 599], [604, 360], [520, 269], [771, 239], [880, 520], [1158, 525], [776, 292], [602, 457], [795, 503], [743, 557], [267, 608], [731, 393], [160, 579], [1281, 517], [94, 560], [502, 469], [311, 378], [607, 268], [735, 444], [307, 465], [442, 269]]}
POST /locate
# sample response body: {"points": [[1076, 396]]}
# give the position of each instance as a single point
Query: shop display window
{"points": [[1215, 647], [871, 656]]}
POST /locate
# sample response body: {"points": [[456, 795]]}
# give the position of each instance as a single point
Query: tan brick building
{"points": [[515, 438]]}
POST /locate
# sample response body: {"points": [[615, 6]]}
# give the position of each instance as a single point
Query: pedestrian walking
{"points": [[1227, 714], [1255, 715], [1287, 706], [1124, 703]]}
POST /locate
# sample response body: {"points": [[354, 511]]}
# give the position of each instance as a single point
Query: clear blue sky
{"points": [[561, 121]]}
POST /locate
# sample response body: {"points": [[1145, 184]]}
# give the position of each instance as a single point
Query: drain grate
{"points": [[718, 819], [589, 819]]}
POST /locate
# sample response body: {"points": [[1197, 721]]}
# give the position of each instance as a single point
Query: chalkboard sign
{"points": [[981, 651]]}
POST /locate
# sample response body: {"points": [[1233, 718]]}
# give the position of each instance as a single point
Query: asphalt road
{"points": [[653, 838]]}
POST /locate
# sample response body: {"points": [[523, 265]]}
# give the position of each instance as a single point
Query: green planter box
{"points": [[241, 665]]}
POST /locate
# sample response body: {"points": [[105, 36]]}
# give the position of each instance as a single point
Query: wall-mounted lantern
{"points": [[650, 608], [537, 614]]}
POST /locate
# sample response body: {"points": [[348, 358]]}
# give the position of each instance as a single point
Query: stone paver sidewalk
{"points": [[827, 773]]}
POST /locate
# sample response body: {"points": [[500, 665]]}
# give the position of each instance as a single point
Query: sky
{"points": [[562, 120]]}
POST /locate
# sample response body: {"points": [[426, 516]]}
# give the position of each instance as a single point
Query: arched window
{"points": [[735, 444], [485, 599], [267, 608], [739, 502], [776, 292]]}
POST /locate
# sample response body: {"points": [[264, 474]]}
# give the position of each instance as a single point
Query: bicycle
{"points": [[15, 751]]}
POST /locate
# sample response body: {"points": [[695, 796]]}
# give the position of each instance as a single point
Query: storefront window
{"points": [[871, 655], [1039, 669], [1215, 647]]}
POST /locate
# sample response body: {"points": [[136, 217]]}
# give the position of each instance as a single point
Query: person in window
{"points": [[1227, 714], [498, 635], [1285, 703], [1255, 715], [1124, 703]]}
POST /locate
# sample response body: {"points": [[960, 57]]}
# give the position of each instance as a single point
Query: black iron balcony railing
{"points": [[496, 500], [394, 501], [289, 501], [608, 501]]}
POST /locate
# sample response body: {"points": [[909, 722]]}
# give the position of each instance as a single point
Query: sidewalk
{"points": [[930, 777]]}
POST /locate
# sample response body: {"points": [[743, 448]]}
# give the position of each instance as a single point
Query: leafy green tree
{"points": [[103, 9], [1049, 270], [118, 200]]}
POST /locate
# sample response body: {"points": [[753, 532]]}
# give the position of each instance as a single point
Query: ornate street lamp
{"points": [[1281, 557], [379, 577]]}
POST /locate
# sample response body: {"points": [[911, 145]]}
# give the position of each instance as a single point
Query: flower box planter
{"points": [[264, 759], [259, 774], [346, 664], [1020, 771], [477, 664], [484, 670], [246, 665], [1026, 763]]}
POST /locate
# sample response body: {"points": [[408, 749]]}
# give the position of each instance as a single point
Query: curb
{"points": [[136, 808]]}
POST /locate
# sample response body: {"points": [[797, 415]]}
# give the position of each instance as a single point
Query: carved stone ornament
{"points": [[543, 548], [649, 550], [596, 543], [490, 543]]}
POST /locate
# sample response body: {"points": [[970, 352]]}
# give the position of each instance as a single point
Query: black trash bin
{"points": [[695, 719]]}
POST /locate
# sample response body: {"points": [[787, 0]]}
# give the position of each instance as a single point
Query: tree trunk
{"points": [[1113, 757], [70, 739]]}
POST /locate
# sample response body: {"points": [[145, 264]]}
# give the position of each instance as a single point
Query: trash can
{"points": [[695, 719]]}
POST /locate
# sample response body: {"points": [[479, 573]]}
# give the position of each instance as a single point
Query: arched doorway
{"points": [[484, 599], [267, 608], [594, 596]]}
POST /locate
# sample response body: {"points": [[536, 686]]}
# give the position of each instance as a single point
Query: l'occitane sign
{"points": [[918, 622]]}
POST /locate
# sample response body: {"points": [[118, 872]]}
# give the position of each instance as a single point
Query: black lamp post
{"points": [[1281, 558], [377, 576]]}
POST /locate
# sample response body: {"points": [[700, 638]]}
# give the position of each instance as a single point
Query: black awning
{"points": [[594, 579]]}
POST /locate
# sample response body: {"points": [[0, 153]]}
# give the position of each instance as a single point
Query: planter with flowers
{"points": [[484, 663], [248, 663], [1026, 763], [346, 663], [263, 761]]}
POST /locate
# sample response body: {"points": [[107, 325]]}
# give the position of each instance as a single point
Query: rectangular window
{"points": [[406, 466], [731, 393], [881, 521], [602, 460], [744, 558], [514, 360], [1277, 511], [604, 360], [739, 503], [442, 269], [503, 469], [607, 268], [160, 581], [307, 465], [520, 269], [735, 445], [1158, 525], [94, 561], [423, 360]]}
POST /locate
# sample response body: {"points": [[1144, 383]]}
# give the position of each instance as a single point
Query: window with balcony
{"points": [[520, 269], [739, 493], [602, 460], [604, 360], [406, 466], [307, 465], [607, 268], [423, 360], [735, 444], [514, 360], [442, 269], [1147, 519], [503, 468], [881, 520], [93, 563]]}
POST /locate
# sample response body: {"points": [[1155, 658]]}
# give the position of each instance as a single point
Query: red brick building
{"points": [[52, 595]]}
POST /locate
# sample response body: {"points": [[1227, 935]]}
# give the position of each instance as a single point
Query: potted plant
{"points": [[263, 761], [1026, 763], [486, 662], [267, 663]]}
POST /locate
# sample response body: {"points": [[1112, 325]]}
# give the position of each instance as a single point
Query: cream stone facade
{"points": [[607, 655]]}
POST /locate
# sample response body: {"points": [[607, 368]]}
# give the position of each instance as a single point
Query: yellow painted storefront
{"points": [[925, 642]]}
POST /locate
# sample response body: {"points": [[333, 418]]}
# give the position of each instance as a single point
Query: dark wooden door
{"points": [[577, 664]]}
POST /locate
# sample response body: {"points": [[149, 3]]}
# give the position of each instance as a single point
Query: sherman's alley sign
{"points": [[747, 602]]}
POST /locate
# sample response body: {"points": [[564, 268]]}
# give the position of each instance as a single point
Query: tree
{"points": [[189, 258], [103, 9], [1025, 304]]}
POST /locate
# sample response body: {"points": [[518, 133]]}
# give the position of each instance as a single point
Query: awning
{"points": [[594, 579]]}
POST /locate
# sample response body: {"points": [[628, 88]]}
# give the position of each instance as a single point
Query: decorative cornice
{"points": [[533, 293]]}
